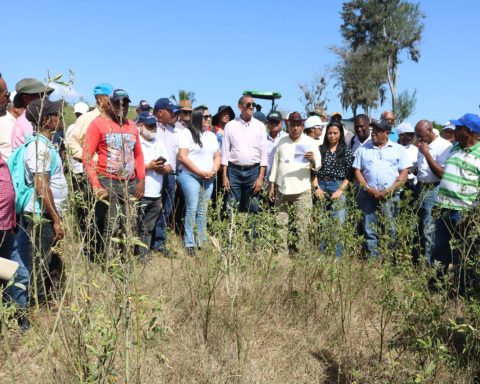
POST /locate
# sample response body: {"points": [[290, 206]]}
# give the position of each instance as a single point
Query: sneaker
{"points": [[191, 251]]}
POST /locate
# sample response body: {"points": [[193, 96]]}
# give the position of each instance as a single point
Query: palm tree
{"points": [[184, 95]]}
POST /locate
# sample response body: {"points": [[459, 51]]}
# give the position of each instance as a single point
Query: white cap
{"points": [[80, 107], [448, 125], [405, 128], [314, 121], [436, 132]]}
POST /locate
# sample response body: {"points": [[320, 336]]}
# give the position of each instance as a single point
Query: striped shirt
{"points": [[460, 183]]}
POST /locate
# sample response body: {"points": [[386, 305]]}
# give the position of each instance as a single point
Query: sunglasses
{"points": [[186, 112], [151, 126], [249, 105], [378, 130], [207, 117]]}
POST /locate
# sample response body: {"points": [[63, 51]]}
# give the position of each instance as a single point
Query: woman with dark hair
{"points": [[199, 160], [333, 177]]}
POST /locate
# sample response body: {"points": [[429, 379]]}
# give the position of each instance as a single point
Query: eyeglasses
{"points": [[249, 105], [151, 126], [7, 95], [207, 117], [186, 112]]}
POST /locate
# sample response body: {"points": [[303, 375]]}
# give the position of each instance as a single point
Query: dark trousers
{"points": [[148, 213], [241, 188], [168, 198]]}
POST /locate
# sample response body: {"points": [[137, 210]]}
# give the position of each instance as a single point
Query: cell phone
{"points": [[162, 159]]}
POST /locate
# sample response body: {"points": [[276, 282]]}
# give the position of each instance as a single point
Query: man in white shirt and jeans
{"points": [[433, 152], [156, 164], [290, 184]]}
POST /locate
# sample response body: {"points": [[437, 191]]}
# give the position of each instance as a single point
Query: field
{"points": [[240, 312]]}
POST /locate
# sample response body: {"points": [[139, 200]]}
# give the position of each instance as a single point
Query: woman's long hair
{"points": [[196, 125], [341, 146]]}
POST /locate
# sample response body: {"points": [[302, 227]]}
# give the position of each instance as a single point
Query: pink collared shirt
{"points": [[21, 130], [245, 143]]}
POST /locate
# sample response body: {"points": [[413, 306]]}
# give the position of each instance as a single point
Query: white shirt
{"points": [[6, 128], [412, 152], [152, 150], [38, 160], [271, 145], [203, 156], [440, 151], [75, 165], [290, 171]]}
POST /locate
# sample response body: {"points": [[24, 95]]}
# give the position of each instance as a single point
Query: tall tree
{"points": [[184, 95], [314, 93], [360, 76], [390, 27]]}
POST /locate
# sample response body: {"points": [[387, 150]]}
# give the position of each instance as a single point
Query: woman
{"points": [[332, 178], [199, 160]]}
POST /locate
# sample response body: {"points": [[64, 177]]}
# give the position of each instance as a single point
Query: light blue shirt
{"points": [[381, 166]]}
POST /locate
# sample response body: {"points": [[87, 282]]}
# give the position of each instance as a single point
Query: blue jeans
{"points": [[197, 192], [18, 290], [336, 207], [370, 208], [241, 188], [159, 237], [446, 228], [427, 195]]}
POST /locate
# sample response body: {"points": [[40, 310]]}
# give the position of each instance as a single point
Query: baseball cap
{"points": [[469, 120], [146, 118], [165, 103], [80, 107], [32, 86], [381, 124], [144, 105], [448, 125], [275, 115], [103, 89], [40, 108], [314, 121], [119, 94], [295, 116], [405, 128]]}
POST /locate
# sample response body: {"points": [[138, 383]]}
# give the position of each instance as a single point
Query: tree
{"points": [[184, 95], [360, 76], [405, 105], [313, 93], [390, 27]]}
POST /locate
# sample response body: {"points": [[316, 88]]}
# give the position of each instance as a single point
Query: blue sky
{"points": [[220, 48]]}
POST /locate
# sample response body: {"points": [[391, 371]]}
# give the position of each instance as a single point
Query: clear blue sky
{"points": [[220, 48]]}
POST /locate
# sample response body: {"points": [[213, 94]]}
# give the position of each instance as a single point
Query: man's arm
{"points": [[90, 146], [139, 167], [44, 192], [436, 168]]}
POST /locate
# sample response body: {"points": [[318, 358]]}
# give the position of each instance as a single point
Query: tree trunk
{"points": [[392, 77]]}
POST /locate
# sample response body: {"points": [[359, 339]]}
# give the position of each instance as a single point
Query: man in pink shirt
{"points": [[244, 158], [29, 89]]}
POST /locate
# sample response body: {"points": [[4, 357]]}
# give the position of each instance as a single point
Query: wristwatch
{"points": [[365, 188], [316, 188]]}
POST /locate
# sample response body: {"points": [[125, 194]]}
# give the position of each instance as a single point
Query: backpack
{"points": [[16, 164]]}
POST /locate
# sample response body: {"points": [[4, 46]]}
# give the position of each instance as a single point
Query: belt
{"points": [[330, 178], [434, 184], [243, 167]]}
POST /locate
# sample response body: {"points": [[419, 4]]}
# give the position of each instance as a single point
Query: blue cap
{"points": [[165, 103], [146, 118], [103, 89], [469, 120], [119, 94], [144, 106]]}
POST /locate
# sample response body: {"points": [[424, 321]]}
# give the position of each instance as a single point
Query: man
{"points": [[120, 164], [314, 128], [4, 96], [458, 201], [389, 117], [185, 115], [406, 137], [244, 158], [163, 110], [6, 127], [27, 90], [362, 136], [296, 155], [433, 152], [156, 165], [448, 132], [380, 168], [259, 115], [275, 133], [43, 211]]}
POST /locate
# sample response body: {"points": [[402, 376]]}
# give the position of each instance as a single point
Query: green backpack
{"points": [[16, 164]]}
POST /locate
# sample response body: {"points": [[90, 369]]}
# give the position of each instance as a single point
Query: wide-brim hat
{"points": [[31, 86], [221, 109], [185, 105]]}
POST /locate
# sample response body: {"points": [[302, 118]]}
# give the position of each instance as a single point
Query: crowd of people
{"points": [[128, 175]]}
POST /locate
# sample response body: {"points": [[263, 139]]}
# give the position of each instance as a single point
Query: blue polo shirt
{"points": [[381, 166]]}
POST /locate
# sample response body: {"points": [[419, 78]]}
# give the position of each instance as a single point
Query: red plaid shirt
{"points": [[7, 198]]}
